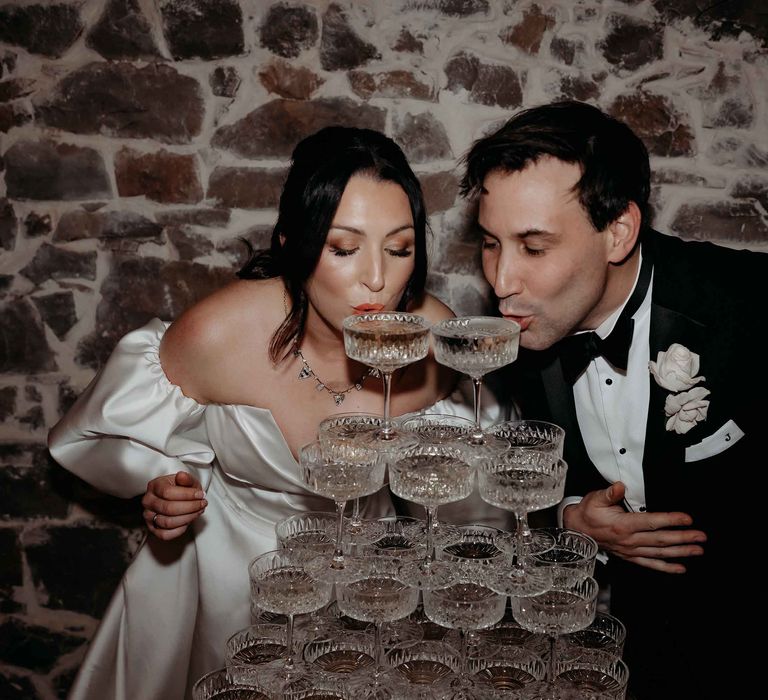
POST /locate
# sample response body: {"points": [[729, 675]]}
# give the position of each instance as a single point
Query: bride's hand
{"points": [[171, 503]]}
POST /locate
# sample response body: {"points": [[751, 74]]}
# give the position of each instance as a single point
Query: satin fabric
{"points": [[178, 603]]}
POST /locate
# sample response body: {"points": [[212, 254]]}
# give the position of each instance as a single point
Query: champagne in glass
{"points": [[476, 345], [431, 474], [280, 584], [464, 606], [560, 610], [521, 481], [386, 341], [380, 596], [340, 476]]}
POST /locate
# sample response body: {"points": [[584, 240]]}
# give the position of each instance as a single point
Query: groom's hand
{"points": [[643, 538]]}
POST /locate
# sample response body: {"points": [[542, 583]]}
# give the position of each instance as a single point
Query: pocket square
{"points": [[726, 436]]}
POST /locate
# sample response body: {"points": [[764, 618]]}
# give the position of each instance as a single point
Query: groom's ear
{"points": [[624, 230]]}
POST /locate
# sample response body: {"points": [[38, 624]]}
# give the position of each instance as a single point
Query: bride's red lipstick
{"points": [[368, 308]]}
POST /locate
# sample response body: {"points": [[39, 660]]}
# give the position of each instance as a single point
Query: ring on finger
{"points": [[154, 522]]}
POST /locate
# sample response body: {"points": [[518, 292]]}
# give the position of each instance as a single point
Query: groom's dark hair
{"points": [[613, 160]]}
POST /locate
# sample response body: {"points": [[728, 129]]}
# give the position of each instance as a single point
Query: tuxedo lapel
{"points": [[664, 452]]}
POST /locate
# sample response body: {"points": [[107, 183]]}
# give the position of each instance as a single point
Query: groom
{"points": [[645, 349]]}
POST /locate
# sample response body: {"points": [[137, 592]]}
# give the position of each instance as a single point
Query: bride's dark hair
{"points": [[321, 167]]}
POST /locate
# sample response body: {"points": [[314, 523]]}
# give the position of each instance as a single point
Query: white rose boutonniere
{"points": [[676, 368], [686, 408]]}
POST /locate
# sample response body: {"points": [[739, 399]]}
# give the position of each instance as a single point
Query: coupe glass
{"points": [[511, 669], [257, 644], [424, 665], [281, 584], [537, 434], [464, 606], [404, 537], [340, 476], [521, 481], [230, 683], [431, 474], [559, 610], [306, 530], [476, 345], [379, 597], [350, 432], [594, 671], [343, 654], [475, 551], [386, 341], [570, 558], [607, 633]]}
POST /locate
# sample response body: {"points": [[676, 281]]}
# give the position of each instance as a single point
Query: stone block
{"points": [[13, 89], [7, 402], [214, 218], [48, 30], [33, 647], [422, 138], [632, 43], [36, 225], [159, 288], [77, 567], [52, 262], [440, 190], [224, 81], [203, 29], [44, 169], [125, 101], [487, 84], [407, 42], [122, 32], [340, 46], [391, 84], [527, 35], [292, 82], [664, 130], [246, 188], [57, 311], [169, 178], [189, 245], [15, 687], [78, 224], [288, 30], [725, 221], [10, 569], [23, 346], [8, 225], [27, 493], [752, 187], [13, 115], [274, 129]]}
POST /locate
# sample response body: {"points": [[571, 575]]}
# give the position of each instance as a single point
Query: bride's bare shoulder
{"points": [[215, 333]]}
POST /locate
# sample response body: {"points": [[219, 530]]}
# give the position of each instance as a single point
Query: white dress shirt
{"points": [[612, 408]]}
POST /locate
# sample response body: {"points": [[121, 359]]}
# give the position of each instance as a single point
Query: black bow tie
{"points": [[576, 351]]}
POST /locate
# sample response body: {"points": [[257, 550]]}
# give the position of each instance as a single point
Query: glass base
{"points": [[517, 582], [428, 575], [384, 684], [321, 568]]}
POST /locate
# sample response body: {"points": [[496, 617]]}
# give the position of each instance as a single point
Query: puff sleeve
{"points": [[131, 424]]}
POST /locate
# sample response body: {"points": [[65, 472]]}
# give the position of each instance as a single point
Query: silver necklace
{"points": [[306, 371], [338, 396]]}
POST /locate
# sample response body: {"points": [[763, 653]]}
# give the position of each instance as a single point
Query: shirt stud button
{"points": [[609, 382], [622, 450]]}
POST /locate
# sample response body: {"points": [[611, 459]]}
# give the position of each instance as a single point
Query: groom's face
{"points": [[547, 264]]}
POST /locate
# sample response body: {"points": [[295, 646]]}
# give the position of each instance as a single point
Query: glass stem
{"points": [[477, 385], [551, 664], [290, 662], [338, 553], [386, 426], [520, 540], [431, 510], [378, 649], [462, 652], [356, 521]]}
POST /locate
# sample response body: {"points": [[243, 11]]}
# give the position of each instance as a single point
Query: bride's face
{"points": [[368, 256]]}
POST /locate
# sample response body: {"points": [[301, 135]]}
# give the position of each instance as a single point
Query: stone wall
{"points": [[140, 139]]}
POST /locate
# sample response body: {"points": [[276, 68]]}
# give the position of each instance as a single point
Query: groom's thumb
{"points": [[615, 493]]}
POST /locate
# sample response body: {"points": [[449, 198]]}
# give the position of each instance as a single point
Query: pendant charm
{"points": [[305, 372], [338, 398]]}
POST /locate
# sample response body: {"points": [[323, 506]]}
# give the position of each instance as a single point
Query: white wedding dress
{"points": [[178, 602]]}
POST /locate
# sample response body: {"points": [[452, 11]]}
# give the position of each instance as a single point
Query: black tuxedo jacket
{"points": [[711, 300]]}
